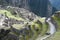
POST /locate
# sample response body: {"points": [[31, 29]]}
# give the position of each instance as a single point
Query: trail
{"points": [[51, 26], [52, 30]]}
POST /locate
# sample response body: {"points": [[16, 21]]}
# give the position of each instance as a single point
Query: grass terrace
{"points": [[9, 15]]}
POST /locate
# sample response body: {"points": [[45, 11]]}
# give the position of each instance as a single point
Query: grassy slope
{"points": [[55, 37], [58, 21], [18, 18], [45, 26], [39, 26], [17, 26], [44, 29], [7, 13], [57, 34]]}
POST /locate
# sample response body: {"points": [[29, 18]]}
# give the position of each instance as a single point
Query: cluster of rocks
{"points": [[5, 26], [24, 13]]}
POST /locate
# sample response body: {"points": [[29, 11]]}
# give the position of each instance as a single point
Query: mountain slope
{"points": [[56, 4]]}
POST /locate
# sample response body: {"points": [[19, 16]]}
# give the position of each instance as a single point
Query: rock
{"points": [[26, 14]]}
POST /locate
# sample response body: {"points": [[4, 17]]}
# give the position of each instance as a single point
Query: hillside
{"points": [[19, 19], [29, 20], [56, 4]]}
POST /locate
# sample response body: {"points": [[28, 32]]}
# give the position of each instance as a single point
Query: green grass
{"points": [[44, 29], [57, 21], [45, 26], [9, 15], [42, 20], [17, 26], [34, 25], [56, 36]]}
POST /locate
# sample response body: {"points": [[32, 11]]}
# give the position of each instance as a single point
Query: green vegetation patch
{"points": [[56, 36], [17, 26], [58, 21], [44, 28], [9, 15]]}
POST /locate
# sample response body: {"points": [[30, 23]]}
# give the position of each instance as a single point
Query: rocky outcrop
{"points": [[21, 12]]}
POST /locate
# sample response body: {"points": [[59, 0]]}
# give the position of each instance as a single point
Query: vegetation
{"points": [[44, 25], [17, 26], [28, 31], [56, 36], [44, 29], [9, 15], [36, 28], [57, 19]]}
